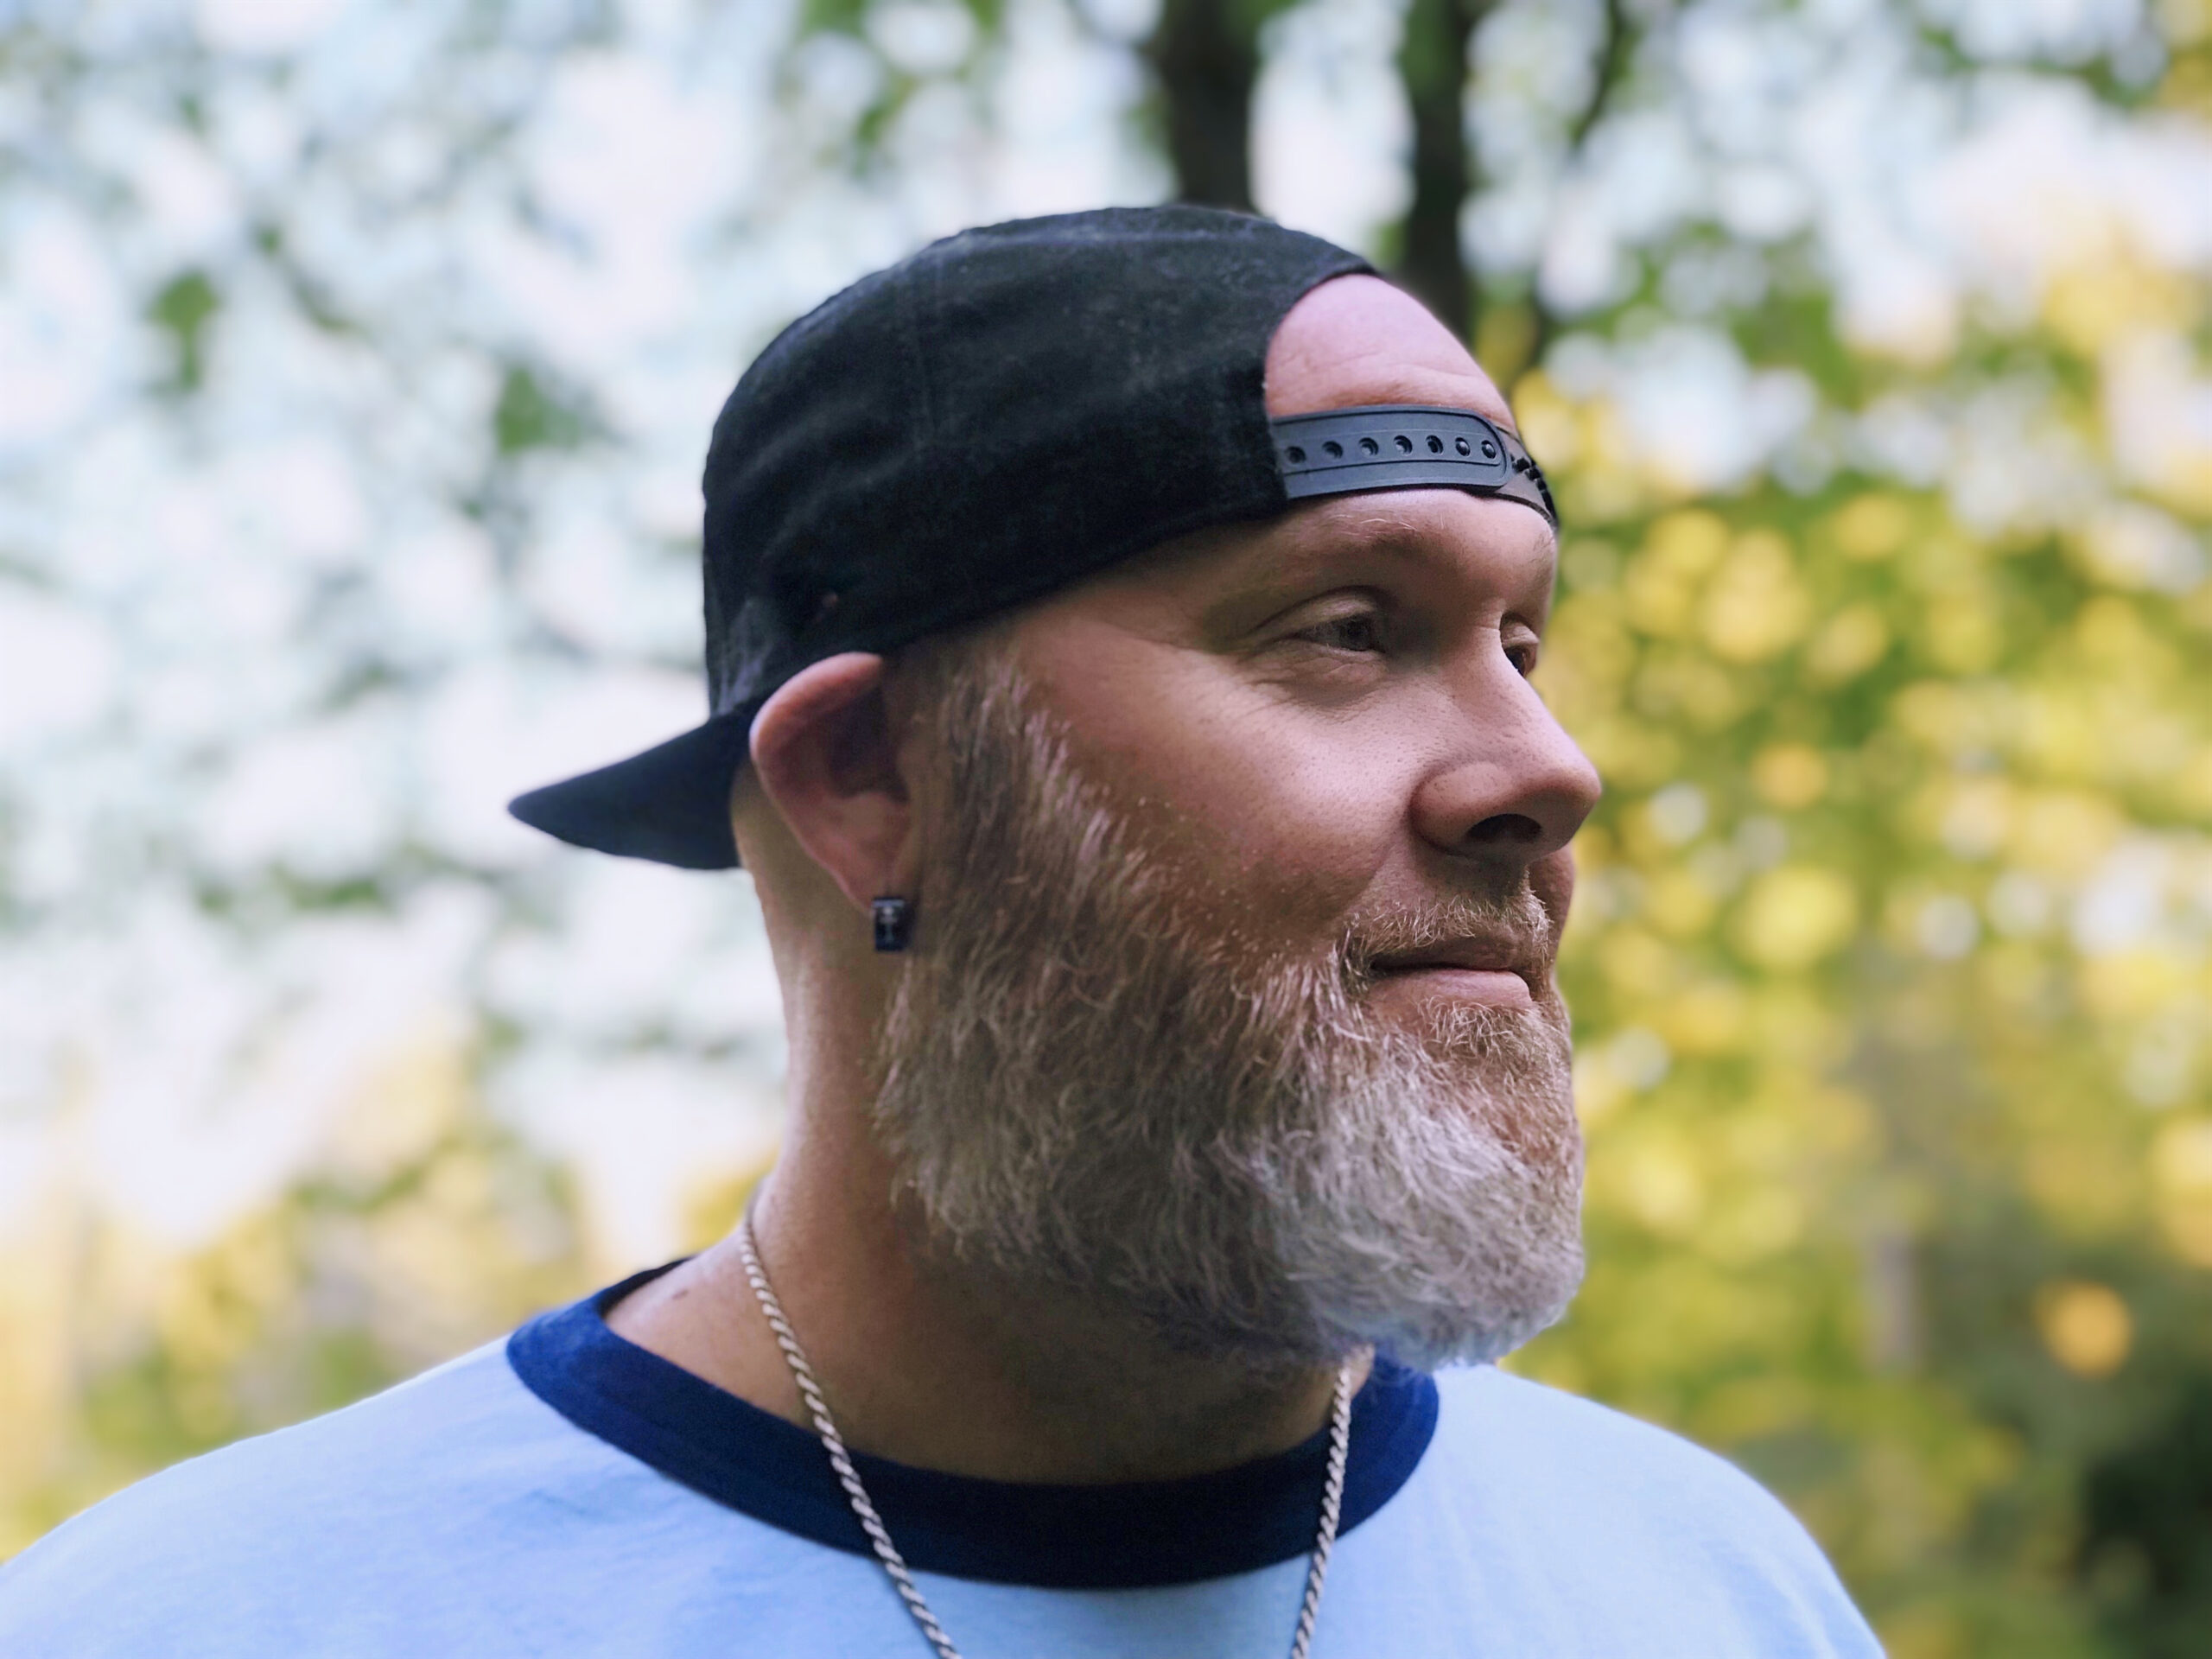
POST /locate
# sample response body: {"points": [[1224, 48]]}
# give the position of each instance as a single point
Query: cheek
{"points": [[1280, 827]]}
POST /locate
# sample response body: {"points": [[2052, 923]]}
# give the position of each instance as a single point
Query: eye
{"points": [[1522, 654], [1360, 631]]}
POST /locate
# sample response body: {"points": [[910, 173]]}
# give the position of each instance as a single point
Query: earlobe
{"points": [[828, 761]]}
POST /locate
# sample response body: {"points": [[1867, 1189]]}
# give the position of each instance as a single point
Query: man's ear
{"points": [[824, 754]]}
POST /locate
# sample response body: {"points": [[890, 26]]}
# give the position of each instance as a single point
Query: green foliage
{"points": [[2146, 1546], [1901, 1168], [1890, 968], [901, 64], [529, 416], [182, 310]]}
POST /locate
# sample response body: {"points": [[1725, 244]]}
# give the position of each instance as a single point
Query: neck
{"points": [[928, 1367]]}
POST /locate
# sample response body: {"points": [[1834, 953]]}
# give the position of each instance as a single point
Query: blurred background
{"points": [[356, 365]]}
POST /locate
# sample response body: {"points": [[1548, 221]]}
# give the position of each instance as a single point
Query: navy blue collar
{"points": [[1059, 1537]]}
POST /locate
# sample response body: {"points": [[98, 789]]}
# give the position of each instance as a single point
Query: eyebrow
{"points": [[1261, 575], [1317, 537]]}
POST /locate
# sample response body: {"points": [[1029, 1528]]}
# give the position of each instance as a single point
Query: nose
{"points": [[1513, 787]]}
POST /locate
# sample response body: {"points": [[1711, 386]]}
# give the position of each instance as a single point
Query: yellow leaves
{"points": [[2185, 23], [1871, 527], [2133, 984], [2192, 786], [1636, 964], [1742, 594], [2188, 83], [1848, 644], [1950, 717], [1587, 657], [1679, 903], [1756, 608], [2091, 306], [1755, 1225], [1960, 634], [2086, 1185], [1599, 1091], [1606, 1074], [1789, 776], [1663, 578], [2181, 1177], [712, 1205], [2062, 832], [1504, 336], [1689, 685], [1796, 915], [1753, 1407], [1713, 1017], [2086, 1326], [403, 1106], [1940, 717], [1661, 1183], [1839, 1122], [1628, 753], [2058, 733], [211, 1307], [2111, 637], [1550, 425], [1974, 814], [1731, 1187]]}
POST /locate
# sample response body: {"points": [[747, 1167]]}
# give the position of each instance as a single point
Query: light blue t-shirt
{"points": [[569, 1493]]}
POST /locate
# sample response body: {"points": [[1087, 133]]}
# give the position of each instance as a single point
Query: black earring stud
{"points": [[894, 923]]}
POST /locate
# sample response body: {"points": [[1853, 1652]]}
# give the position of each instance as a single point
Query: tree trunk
{"points": [[1432, 63], [1206, 54]]}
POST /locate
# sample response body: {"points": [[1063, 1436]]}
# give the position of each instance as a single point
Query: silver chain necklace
{"points": [[894, 1564]]}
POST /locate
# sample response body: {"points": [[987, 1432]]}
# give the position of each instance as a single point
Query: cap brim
{"points": [[670, 805]]}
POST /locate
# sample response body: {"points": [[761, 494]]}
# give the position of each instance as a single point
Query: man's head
{"points": [[1147, 598], [988, 421], [1239, 866]]}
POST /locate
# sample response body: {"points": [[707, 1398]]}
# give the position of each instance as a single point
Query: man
{"points": [[1119, 633]]}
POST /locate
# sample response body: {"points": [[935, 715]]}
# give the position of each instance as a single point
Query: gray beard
{"points": [[1088, 1095]]}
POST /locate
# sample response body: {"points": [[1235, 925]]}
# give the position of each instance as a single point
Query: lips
{"points": [[1470, 955]]}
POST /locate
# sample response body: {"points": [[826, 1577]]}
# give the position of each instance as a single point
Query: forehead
{"points": [[1465, 549], [1359, 340]]}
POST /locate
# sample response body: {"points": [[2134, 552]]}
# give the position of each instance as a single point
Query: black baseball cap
{"points": [[987, 422]]}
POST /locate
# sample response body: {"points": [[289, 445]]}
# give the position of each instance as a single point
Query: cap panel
{"points": [[1077, 389], [819, 430]]}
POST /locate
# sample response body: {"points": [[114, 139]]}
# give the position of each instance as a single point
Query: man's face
{"points": [[1243, 872], [1330, 717], [1329, 714]]}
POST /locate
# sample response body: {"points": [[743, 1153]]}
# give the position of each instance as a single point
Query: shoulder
{"points": [[1644, 1506], [215, 1553], [1570, 1444], [1569, 1439]]}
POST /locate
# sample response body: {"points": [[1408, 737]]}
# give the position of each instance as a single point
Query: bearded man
{"points": [[1119, 633]]}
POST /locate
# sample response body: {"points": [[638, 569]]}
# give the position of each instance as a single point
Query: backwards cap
{"points": [[990, 421]]}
